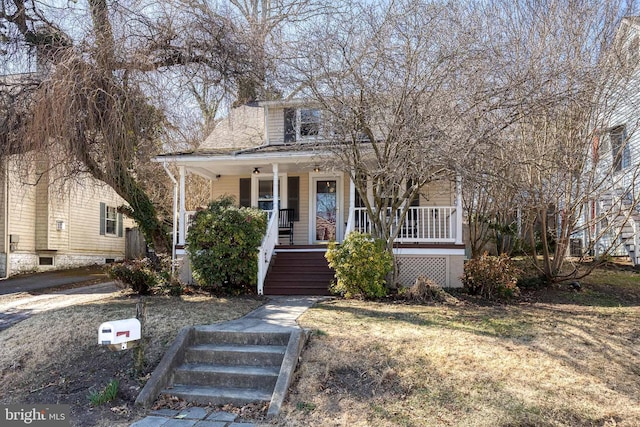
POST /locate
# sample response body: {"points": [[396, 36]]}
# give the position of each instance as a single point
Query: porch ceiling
{"points": [[212, 166]]}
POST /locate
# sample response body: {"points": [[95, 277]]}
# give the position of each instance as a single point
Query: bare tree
{"points": [[383, 76], [555, 75], [91, 100]]}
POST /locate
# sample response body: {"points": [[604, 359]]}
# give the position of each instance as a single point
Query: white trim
{"points": [[174, 230], [248, 158], [181, 224], [428, 251], [313, 178], [458, 209]]}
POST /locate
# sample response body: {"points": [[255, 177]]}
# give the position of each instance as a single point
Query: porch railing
{"points": [[265, 251], [422, 224]]}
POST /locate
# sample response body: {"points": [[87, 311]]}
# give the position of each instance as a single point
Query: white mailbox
{"points": [[119, 332]]}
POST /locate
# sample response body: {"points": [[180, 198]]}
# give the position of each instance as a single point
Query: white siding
{"points": [[227, 185], [22, 209], [438, 193], [36, 205], [84, 221], [275, 125]]}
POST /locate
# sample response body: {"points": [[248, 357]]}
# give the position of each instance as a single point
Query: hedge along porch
{"points": [[325, 207]]}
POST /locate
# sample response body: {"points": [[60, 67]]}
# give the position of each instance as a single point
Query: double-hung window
{"points": [[302, 124], [110, 221], [265, 194], [620, 151]]}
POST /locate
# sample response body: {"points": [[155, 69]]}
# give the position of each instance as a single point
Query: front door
{"points": [[326, 209]]}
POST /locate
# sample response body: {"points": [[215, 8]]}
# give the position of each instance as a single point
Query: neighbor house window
{"points": [[110, 221], [620, 148], [301, 124]]}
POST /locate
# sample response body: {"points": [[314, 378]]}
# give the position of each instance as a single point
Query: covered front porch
{"points": [[316, 205]]}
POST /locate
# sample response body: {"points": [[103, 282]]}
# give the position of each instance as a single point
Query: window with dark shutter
{"points": [[289, 125], [103, 214], [245, 192], [120, 225], [293, 196]]}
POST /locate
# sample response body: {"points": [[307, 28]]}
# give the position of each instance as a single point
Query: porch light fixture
{"points": [[316, 168], [256, 171]]}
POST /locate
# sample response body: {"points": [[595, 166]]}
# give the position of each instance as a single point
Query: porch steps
{"points": [[298, 272], [626, 222], [222, 367]]}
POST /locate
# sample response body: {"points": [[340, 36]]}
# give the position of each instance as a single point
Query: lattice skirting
{"points": [[433, 267]]}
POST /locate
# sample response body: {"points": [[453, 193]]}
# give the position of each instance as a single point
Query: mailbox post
{"points": [[120, 334]]}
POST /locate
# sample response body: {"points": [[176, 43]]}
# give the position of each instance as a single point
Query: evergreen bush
{"points": [[361, 264], [222, 244]]}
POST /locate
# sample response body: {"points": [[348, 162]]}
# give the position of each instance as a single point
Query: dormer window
{"points": [[308, 123], [301, 124]]}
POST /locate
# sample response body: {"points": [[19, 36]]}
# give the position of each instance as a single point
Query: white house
{"points": [[260, 155]]}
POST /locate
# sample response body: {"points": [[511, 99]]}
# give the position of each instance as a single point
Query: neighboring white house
{"points": [[50, 224], [611, 219], [259, 156]]}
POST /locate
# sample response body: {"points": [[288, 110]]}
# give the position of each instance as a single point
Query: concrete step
{"points": [[257, 377], [231, 354], [204, 336], [218, 395]]}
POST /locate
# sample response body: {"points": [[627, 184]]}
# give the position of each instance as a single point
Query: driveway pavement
{"points": [[51, 279], [18, 300]]}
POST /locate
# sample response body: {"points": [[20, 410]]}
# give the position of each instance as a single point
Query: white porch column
{"points": [[458, 210], [352, 195], [182, 225], [174, 229], [276, 190]]}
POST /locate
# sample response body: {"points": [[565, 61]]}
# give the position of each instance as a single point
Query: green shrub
{"points": [[223, 243], [491, 277], [361, 264]]}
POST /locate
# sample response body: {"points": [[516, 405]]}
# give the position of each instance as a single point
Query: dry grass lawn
{"points": [[557, 358], [54, 357], [554, 358]]}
